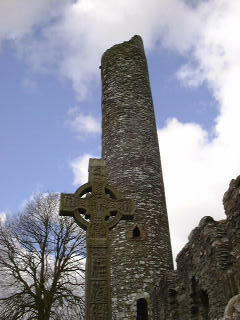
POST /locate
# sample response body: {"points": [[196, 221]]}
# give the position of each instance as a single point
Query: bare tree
{"points": [[41, 264]]}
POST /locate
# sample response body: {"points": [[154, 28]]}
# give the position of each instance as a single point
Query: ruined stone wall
{"points": [[140, 250], [164, 297], [231, 202], [208, 270]]}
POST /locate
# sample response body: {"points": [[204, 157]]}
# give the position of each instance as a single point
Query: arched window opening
{"points": [[136, 232], [142, 309], [194, 300], [199, 302], [204, 304]]}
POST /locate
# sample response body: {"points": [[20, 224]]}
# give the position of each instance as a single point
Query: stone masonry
{"points": [[143, 284], [141, 249], [206, 284]]}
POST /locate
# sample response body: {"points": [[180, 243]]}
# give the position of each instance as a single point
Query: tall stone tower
{"points": [[140, 249]]}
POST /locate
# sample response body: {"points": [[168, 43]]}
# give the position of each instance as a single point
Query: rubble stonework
{"points": [[208, 270], [232, 311], [141, 249]]}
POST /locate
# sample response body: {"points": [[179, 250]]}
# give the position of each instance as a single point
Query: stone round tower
{"points": [[140, 249]]}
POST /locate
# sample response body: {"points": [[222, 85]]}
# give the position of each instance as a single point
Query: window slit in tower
{"points": [[136, 232]]}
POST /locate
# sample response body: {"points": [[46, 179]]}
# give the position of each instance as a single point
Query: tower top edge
{"points": [[136, 41]]}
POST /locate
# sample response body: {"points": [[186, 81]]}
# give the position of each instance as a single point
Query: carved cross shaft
{"points": [[103, 206]]}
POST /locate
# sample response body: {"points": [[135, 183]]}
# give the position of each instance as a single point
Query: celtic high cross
{"points": [[97, 208]]}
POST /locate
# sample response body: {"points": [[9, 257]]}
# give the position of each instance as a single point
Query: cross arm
{"points": [[125, 206], [69, 203], [125, 211]]}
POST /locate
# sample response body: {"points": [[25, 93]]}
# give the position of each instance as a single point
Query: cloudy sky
{"points": [[50, 96]]}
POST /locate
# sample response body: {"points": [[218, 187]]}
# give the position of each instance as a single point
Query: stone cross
{"points": [[97, 208]]}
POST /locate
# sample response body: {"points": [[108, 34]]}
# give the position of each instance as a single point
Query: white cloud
{"points": [[82, 124], [24, 202], [196, 174], [74, 42], [203, 169], [196, 170], [3, 217], [18, 18], [31, 198], [80, 169]]}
